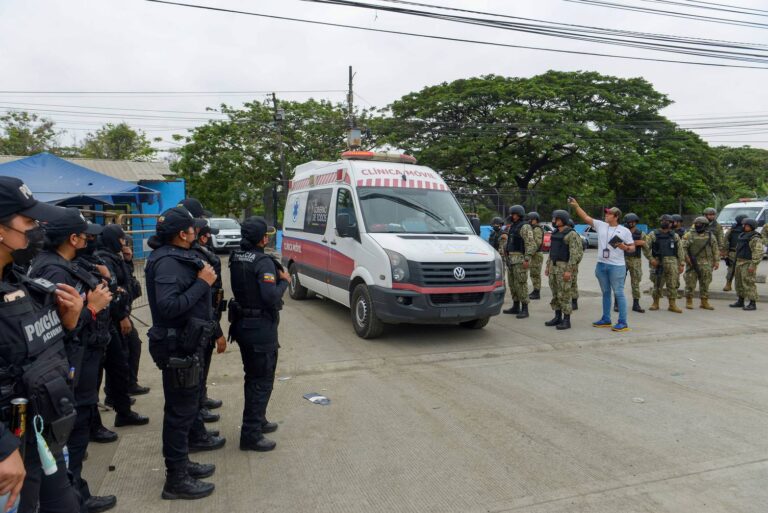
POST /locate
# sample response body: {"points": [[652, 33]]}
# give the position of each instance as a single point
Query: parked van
{"points": [[751, 207], [387, 238]]}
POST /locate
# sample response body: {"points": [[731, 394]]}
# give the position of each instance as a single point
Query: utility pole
{"points": [[354, 136], [279, 116]]}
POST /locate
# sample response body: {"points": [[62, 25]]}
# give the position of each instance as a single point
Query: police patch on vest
{"points": [[41, 330], [269, 278]]}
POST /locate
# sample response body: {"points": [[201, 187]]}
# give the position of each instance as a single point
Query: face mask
{"points": [[496, 228], [699, 228], [35, 239], [664, 225], [88, 250]]}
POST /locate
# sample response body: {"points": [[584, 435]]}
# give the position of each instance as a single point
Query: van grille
{"points": [[457, 299], [440, 274]]}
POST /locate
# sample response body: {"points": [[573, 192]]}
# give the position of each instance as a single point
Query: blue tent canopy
{"points": [[59, 182]]}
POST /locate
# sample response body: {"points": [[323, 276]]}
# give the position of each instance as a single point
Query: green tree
{"points": [[22, 133], [745, 169], [117, 142]]}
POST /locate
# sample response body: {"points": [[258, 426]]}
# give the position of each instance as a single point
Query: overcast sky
{"points": [[134, 45]]}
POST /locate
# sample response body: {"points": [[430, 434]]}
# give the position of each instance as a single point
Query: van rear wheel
{"points": [[475, 324], [364, 319], [296, 290]]}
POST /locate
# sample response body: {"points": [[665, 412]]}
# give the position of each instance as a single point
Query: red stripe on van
{"points": [[446, 290]]}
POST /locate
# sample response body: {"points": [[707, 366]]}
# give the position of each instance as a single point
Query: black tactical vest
{"points": [[637, 235], [664, 245], [515, 243], [559, 250], [733, 237], [243, 266], [742, 249]]}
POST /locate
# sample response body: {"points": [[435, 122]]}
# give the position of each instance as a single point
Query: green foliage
{"points": [[117, 142], [745, 171], [22, 133]]}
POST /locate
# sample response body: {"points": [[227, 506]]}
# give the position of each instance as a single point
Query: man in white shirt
{"points": [[613, 241]]}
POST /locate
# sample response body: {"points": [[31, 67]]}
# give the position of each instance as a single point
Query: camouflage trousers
{"points": [[537, 261], [704, 277], [635, 271], [665, 274], [731, 268], [517, 278], [745, 280], [561, 290], [575, 284]]}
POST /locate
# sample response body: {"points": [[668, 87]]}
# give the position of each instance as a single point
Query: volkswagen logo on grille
{"points": [[459, 273]]}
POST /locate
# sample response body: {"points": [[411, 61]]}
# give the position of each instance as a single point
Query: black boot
{"points": [[565, 324], [738, 304], [750, 306], [95, 504], [207, 416], [615, 306], [180, 485], [200, 470], [207, 443], [574, 304], [536, 294], [636, 306], [211, 404], [102, 435], [523, 312], [130, 418], [262, 444], [515, 308], [268, 427], [556, 319]]}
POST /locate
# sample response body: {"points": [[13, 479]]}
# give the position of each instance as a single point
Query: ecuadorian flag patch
{"points": [[269, 278]]}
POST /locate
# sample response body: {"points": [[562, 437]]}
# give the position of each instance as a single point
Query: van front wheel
{"points": [[296, 290], [364, 319]]}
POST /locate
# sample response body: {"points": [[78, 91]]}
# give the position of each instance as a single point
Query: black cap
{"points": [[255, 228], [16, 198], [194, 206], [70, 221], [177, 219]]}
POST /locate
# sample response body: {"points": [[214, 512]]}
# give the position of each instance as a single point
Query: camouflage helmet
{"points": [[517, 209], [750, 222], [701, 220], [563, 215], [677, 218], [631, 218], [530, 216], [497, 220], [739, 218], [665, 217], [709, 211]]}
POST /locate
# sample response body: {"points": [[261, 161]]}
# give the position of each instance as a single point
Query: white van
{"points": [[751, 207], [387, 238]]}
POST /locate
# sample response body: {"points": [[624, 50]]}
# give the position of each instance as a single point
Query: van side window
{"points": [[316, 214], [346, 205]]}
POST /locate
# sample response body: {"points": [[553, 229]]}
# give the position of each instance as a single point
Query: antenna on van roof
{"points": [[354, 135]]}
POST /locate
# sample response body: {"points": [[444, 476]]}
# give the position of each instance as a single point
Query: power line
{"points": [[453, 39], [179, 93], [713, 7]]}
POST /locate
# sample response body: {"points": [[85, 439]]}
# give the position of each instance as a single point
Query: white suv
{"points": [[228, 237]]}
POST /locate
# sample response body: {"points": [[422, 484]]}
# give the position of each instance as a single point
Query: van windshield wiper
{"points": [[401, 201]]}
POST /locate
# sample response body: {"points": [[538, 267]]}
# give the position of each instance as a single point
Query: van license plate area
{"points": [[459, 311]]}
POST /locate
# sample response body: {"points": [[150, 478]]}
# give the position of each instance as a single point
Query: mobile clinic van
{"points": [[387, 238]]}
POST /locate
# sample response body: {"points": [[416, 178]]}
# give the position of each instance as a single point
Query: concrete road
{"points": [[670, 417]]}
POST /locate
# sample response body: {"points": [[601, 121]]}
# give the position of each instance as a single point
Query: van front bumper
{"points": [[396, 306]]}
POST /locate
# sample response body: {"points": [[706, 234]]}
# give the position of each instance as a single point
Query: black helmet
{"points": [[739, 218], [530, 216], [709, 210], [517, 209], [631, 218], [750, 222], [701, 220], [497, 220], [564, 216], [677, 218], [665, 217]]}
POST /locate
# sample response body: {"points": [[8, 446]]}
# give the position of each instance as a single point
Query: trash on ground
{"points": [[284, 378], [316, 398], [638, 400]]}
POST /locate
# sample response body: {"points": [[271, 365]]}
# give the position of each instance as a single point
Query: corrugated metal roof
{"points": [[121, 169]]}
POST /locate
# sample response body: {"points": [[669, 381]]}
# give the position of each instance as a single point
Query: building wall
{"points": [[171, 193]]}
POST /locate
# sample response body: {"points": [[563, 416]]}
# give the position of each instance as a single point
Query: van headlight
{"points": [[499, 267], [399, 266]]}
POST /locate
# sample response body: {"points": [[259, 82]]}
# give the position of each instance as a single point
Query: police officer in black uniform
{"points": [[117, 371], [258, 284], [132, 340], [58, 263], [179, 294], [35, 316]]}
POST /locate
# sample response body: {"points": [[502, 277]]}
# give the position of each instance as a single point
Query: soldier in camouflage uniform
{"points": [[677, 225], [565, 254], [749, 254], [575, 279], [701, 258], [494, 239], [665, 254], [717, 230], [537, 260], [730, 250], [634, 260], [519, 246]]}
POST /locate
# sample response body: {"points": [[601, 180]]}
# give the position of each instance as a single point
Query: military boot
{"points": [[515, 308], [636, 306], [750, 306], [673, 306], [738, 304], [705, 304], [727, 287], [565, 324], [556, 319], [180, 485], [655, 305], [523, 312], [260, 444], [689, 302], [574, 304], [536, 294]]}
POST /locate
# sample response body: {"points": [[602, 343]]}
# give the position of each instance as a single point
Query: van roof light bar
{"points": [[379, 156]]}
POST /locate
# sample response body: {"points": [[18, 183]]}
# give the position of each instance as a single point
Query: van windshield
{"points": [[728, 214], [402, 210], [225, 224]]}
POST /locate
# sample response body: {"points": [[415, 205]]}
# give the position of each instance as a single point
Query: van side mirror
{"points": [[475, 224], [343, 227]]}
